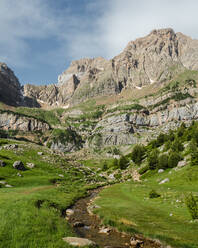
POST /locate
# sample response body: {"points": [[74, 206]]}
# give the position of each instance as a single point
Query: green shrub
{"points": [[153, 194], [153, 159], [181, 130], [161, 139], [138, 153], [163, 161], [143, 170], [194, 157], [3, 134], [123, 163], [177, 145], [104, 166], [167, 145], [192, 205], [173, 159], [118, 176], [115, 163]]}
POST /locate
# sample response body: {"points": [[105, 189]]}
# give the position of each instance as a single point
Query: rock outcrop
{"points": [[13, 121], [10, 88], [158, 57]]}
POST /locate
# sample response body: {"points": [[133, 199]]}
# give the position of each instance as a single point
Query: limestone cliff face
{"points": [[154, 58], [13, 121], [128, 128], [10, 89]]}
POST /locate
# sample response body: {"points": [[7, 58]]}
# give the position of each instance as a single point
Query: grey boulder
{"points": [[18, 165]]}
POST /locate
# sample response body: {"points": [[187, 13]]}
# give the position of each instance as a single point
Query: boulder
{"points": [[8, 186], [105, 230], [30, 165], [160, 170], [166, 180], [69, 212], [181, 164], [10, 146], [136, 242], [80, 242], [18, 165], [2, 163]]}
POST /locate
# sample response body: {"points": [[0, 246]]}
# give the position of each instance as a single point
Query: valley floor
{"points": [[128, 207]]}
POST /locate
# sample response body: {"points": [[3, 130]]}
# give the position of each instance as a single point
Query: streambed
{"points": [[89, 226]]}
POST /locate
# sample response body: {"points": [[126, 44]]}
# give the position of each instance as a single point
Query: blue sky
{"points": [[40, 38]]}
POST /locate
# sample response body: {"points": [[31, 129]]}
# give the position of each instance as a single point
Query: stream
{"points": [[88, 226]]}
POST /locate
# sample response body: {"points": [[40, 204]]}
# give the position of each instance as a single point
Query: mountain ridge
{"points": [[155, 58]]}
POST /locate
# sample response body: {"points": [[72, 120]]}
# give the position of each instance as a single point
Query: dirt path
{"points": [[88, 226]]}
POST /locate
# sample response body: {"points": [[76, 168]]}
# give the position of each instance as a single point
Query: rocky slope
{"points": [[158, 57]]}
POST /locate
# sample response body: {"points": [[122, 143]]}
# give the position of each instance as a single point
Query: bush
{"points": [[177, 146], [192, 206], [123, 163], [163, 161], [167, 145], [143, 170], [115, 163], [153, 160], [181, 130], [104, 166], [138, 153], [173, 159], [153, 194], [194, 157], [161, 139]]}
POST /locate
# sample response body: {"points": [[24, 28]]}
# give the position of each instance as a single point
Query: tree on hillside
{"points": [[153, 159], [138, 153], [173, 159], [163, 161], [123, 163]]}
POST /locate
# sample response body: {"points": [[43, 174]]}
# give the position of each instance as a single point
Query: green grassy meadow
{"points": [[31, 211], [128, 207]]}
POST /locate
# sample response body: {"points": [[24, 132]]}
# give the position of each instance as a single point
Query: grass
{"points": [[31, 211], [128, 207]]}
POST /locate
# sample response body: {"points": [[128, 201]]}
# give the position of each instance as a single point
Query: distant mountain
{"points": [[156, 58]]}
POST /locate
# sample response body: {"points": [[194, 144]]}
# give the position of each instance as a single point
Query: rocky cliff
{"points": [[158, 57], [10, 88], [13, 121]]}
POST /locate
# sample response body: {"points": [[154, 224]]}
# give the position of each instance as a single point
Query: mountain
{"points": [[147, 89], [10, 88], [156, 58]]}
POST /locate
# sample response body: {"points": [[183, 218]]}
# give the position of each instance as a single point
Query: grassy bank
{"points": [[128, 207]]}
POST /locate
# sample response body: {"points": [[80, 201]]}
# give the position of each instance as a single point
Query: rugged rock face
{"points": [[12, 121], [114, 130], [154, 58], [10, 89], [123, 129]]}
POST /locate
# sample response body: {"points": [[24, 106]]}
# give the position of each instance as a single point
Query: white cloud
{"points": [[121, 21], [21, 21]]}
